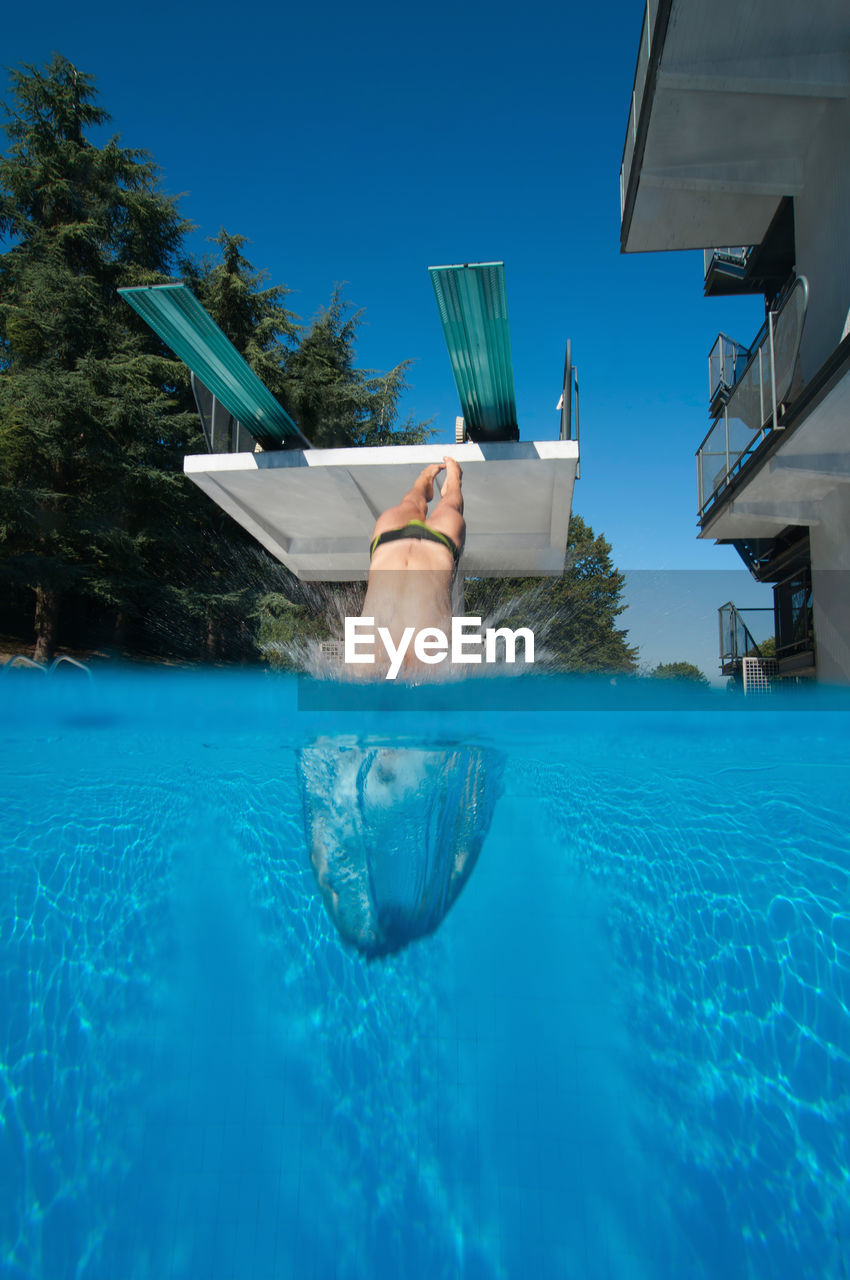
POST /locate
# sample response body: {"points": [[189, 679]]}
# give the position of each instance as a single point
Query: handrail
{"points": [[74, 662], [636, 100], [724, 352], [755, 402], [24, 661], [736, 629], [729, 255], [565, 404]]}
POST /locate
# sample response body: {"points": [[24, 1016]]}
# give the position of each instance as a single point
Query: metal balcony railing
{"points": [[638, 87], [726, 362], [732, 259], [753, 406], [738, 631]]}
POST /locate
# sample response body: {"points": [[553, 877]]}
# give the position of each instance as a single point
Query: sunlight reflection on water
{"points": [[624, 1053]]}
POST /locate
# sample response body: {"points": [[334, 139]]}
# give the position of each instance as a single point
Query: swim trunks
{"points": [[416, 529]]}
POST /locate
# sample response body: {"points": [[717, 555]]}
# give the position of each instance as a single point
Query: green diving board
{"points": [[176, 316], [474, 312]]}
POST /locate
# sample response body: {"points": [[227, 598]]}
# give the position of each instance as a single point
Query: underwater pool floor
{"points": [[623, 1055]]}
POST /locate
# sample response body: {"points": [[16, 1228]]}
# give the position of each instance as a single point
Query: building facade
{"points": [[738, 143]]}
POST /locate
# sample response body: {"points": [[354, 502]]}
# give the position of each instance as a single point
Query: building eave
{"points": [[723, 114]]}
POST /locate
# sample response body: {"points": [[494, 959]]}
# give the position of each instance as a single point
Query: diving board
{"points": [[177, 317], [473, 308], [314, 509]]}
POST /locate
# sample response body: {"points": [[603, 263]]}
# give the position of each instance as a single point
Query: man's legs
{"points": [[447, 516], [414, 504]]}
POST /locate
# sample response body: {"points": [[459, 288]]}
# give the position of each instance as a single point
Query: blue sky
{"points": [[364, 143]]}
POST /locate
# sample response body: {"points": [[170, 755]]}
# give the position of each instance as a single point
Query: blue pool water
{"points": [[623, 1055]]}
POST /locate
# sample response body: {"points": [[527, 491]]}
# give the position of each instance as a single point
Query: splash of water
{"points": [[292, 625], [321, 656]]}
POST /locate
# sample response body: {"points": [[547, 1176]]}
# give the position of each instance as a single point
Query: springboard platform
{"points": [[314, 509]]}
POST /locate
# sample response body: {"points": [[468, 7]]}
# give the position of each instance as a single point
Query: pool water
{"points": [[623, 1055]]}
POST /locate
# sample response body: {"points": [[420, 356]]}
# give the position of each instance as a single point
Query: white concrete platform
{"points": [[739, 94], [314, 509]]}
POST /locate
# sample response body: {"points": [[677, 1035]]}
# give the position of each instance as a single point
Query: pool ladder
{"points": [[22, 660]]}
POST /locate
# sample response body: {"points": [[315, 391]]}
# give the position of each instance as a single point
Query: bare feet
{"points": [[453, 475], [425, 481]]}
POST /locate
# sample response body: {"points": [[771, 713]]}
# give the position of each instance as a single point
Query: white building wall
{"points": [[822, 224], [829, 541]]}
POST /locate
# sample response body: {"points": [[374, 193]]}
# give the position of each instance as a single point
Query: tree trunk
{"points": [[46, 623], [211, 645]]}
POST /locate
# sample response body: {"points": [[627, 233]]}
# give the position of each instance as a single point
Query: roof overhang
{"points": [[314, 509], [727, 97]]}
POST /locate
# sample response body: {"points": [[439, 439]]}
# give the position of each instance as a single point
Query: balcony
{"points": [[749, 388], [780, 640], [744, 633], [726, 363], [762, 268], [725, 270]]}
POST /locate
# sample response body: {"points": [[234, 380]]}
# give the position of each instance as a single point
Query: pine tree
{"points": [[90, 427], [251, 313], [96, 414], [336, 404]]}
